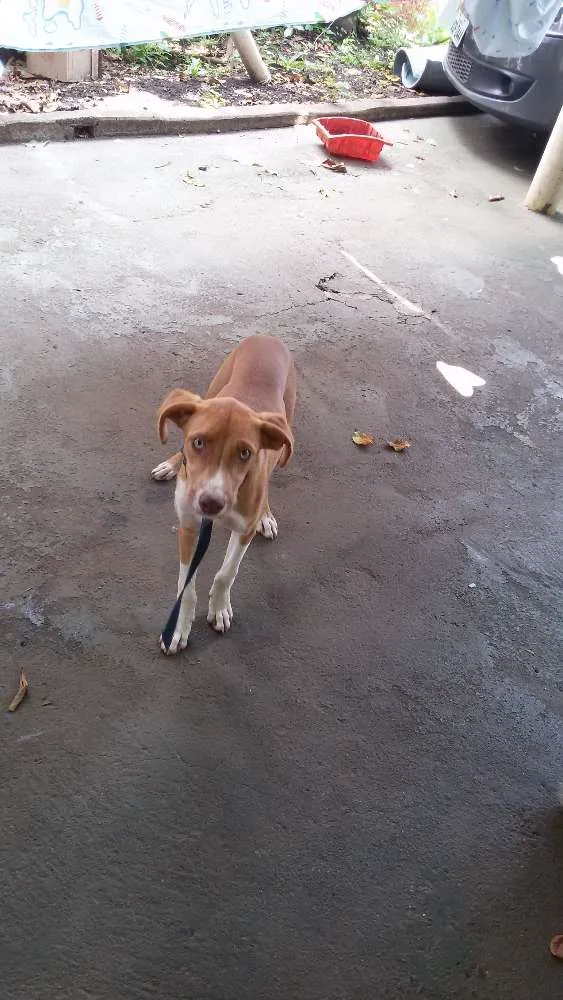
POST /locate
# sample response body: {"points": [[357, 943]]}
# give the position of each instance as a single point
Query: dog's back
{"points": [[259, 373]]}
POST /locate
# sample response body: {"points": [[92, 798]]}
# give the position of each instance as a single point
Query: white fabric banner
{"points": [[31, 25]]}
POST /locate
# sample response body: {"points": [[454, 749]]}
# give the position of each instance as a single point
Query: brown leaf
{"points": [[337, 168], [496, 197], [399, 444], [362, 439], [20, 693], [556, 946], [190, 179]]}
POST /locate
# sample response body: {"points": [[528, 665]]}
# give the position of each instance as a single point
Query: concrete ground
{"points": [[352, 795]]}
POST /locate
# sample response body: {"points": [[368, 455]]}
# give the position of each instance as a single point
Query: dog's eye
{"points": [[245, 454], [198, 443]]}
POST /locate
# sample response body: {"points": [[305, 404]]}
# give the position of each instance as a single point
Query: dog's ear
{"points": [[178, 407], [275, 434]]}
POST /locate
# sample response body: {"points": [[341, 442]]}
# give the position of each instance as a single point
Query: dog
{"points": [[233, 439]]}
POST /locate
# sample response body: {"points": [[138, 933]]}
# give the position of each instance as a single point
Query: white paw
{"points": [[179, 641], [183, 626], [267, 526], [166, 470], [220, 613]]}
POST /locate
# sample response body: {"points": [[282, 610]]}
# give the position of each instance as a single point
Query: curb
{"points": [[65, 125]]}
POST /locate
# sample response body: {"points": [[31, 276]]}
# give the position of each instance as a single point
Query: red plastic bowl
{"points": [[350, 137]]}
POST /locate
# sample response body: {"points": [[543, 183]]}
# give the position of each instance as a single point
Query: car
{"points": [[526, 90]]}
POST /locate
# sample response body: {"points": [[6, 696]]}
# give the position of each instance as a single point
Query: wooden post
{"points": [[250, 55], [73, 66], [546, 189]]}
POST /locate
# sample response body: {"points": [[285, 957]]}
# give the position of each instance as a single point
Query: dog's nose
{"points": [[210, 505]]}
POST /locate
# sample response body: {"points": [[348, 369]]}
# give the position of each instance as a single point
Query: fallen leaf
{"points": [[399, 444], [420, 157], [496, 197], [323, 283], [556, 946], [20, 693], [190, 179], [362, 440], [337, 168]]}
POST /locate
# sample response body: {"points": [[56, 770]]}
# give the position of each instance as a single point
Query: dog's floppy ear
{"points": [[178, 406], [275, 434]]}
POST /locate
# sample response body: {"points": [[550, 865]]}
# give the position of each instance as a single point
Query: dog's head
{"points": [[223, 442]]}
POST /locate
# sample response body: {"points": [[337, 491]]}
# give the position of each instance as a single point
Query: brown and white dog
{"points": [[233, 439]]}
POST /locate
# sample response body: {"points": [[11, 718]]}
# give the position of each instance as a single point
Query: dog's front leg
{"points": [[220, 614], [187, 540]]}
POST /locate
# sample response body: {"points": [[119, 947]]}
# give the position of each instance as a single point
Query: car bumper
{"points": [[527, 91]]}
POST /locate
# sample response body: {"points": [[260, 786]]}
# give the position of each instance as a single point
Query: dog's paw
{"points": [[166, 470], [267, 526], [220, 613], [179, 641]]}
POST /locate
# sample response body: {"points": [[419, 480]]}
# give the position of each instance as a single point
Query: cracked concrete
{"points": [[354, 793]]}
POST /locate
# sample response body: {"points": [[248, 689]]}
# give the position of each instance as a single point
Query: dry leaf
{"points": [[20, 693], [362, 440], [556, 946], [496, 197], [399, 444], [265, 170], [323, 284], [337, 168], [190, 179]]}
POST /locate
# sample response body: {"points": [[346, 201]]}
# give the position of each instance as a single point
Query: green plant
{"points": [[194, 68], [211, 98], [384, 28], [149, 56], [428, 30]]}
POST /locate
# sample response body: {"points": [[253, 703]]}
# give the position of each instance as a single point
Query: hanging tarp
{"points": [[31, 25]]}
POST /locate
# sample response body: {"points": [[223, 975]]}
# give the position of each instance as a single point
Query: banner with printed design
{"points": [[37, 25]]}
